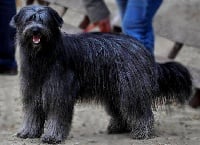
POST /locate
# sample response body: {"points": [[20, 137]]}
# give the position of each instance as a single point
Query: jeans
{"points": [[137, 18], [7, 34]]}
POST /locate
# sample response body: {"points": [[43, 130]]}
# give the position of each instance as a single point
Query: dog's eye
{"points": [[32, 17]]}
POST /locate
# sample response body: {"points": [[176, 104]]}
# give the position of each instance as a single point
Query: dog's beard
{"points": [[35, 42], [36, 38]]}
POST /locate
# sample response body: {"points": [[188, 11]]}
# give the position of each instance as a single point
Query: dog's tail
{"points": [[174, 83]]}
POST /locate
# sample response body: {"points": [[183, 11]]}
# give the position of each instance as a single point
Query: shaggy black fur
{"points": [[57, 70]]}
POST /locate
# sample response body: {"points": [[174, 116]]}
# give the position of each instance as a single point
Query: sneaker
{"points": [[195, 100], [8, 71]]}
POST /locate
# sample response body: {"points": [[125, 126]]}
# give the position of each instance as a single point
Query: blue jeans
{"points": [[137, 18], [7, 34]]}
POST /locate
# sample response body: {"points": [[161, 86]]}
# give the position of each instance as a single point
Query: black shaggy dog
{"points": [[58, 70]]}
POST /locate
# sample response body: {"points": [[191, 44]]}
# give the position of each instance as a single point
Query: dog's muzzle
{"points": [[35, 33]]}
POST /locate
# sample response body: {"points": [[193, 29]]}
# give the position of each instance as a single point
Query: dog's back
{"points": [[107, 63], [118, 63]]}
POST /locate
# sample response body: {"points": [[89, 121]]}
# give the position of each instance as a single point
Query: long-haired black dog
{"points": [[57, 70]]}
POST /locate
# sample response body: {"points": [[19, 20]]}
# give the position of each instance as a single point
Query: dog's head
{"points": [[37, 23]]}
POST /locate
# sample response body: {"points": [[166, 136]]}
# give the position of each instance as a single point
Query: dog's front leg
{"points": [[34, 116], [60, 96]]}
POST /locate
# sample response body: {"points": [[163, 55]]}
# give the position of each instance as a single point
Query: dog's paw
{"points": [[28, 134], [51, 139], [117, 127], [139, 134]]}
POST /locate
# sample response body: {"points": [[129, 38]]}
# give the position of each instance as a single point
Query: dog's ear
{"points": [[13, 21], [57, 19]]}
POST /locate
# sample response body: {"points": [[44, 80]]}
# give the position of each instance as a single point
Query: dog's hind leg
{"points": [[143, 125], [141, 120], [34, 116], [117, 124], [60, 92]]}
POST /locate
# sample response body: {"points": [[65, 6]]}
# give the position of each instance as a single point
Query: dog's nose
{"points": [[35, 30]]}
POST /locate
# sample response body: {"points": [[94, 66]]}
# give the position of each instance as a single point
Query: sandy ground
{"points": [[177, 126]]}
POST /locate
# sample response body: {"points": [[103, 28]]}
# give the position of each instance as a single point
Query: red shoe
{"points": [[104, 25], [85, 23]]}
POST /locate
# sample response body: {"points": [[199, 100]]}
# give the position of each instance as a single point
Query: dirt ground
{"points": [[177, 126]]}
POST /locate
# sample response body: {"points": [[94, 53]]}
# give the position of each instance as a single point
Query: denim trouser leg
{"points": [[7, 34], [137, 18], [153, 6]]}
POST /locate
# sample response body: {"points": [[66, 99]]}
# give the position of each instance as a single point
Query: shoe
{"points": [[195, 100], [8, 71], [85, 23], [117, 29], [103, 25]]}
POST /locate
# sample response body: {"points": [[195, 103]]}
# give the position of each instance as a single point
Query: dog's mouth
{"points": [[36, 39]]}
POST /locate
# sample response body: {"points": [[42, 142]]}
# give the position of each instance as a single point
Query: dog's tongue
{"points": [[36, 39]]}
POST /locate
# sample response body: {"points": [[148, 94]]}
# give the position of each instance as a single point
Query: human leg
{"points": [[7, 45], [152, 7], [96, 9], [29, 2], [134, 22], [97, 16], [137, 19]]}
